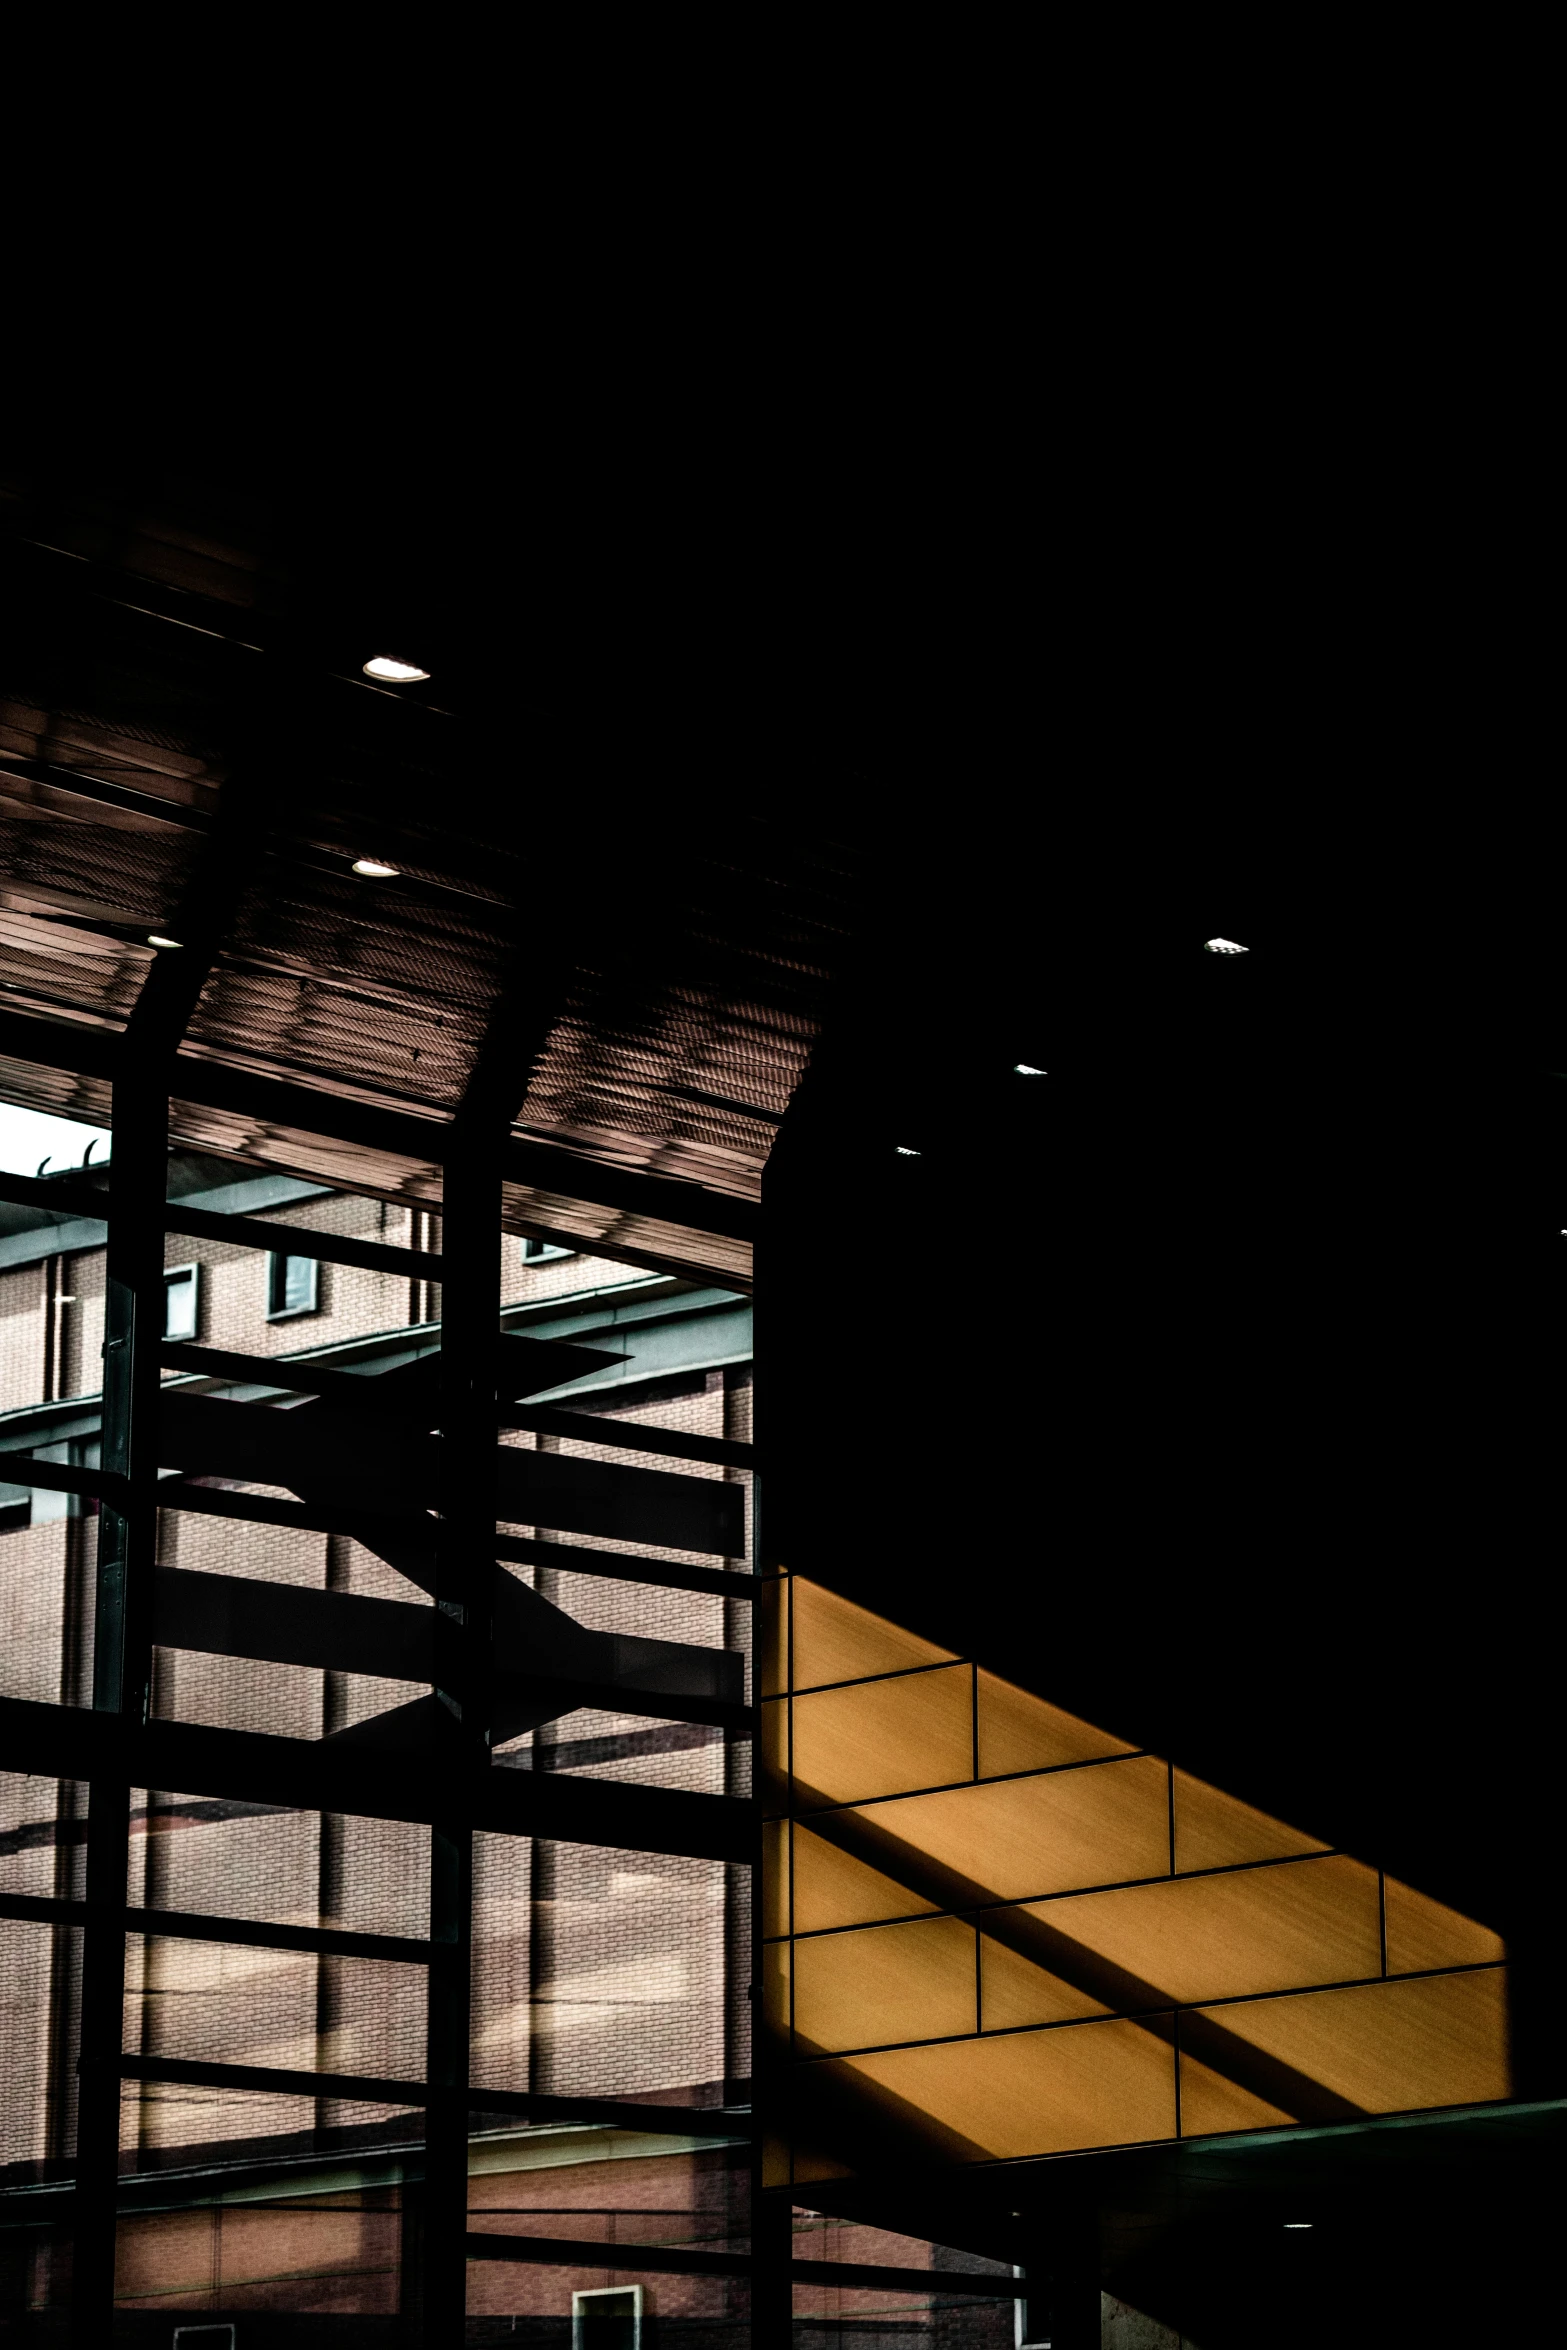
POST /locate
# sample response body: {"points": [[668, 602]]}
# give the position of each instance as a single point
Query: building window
{"points": [[607, 2318], [181, 1300], [534, 1252], [291, 1286]]}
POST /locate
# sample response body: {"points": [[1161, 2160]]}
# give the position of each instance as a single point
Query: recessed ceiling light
{"points": [[392, 672], [1299, 2223], [155, 938], [906, 1154], [1225, 946], [375, 869], [1022, 1069]]}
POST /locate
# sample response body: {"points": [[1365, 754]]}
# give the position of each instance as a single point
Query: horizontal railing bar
{"points": [[691, 2121], [274, 2079], [298, 1240], [519, 1550], [372, 2089], [854, 2276], [25, 1468], [627, 1436], [614, 1697], [79, 1201], [590, 2252], [191, 1926], [263, 1509], [524, 1551], [75, 1742], [290, 1374], [366, 1392]]}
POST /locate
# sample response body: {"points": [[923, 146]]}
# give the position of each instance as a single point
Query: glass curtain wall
{"points": [[375, 1838]]}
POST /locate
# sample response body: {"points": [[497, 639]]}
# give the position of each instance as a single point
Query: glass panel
{"points": [[601, 1973], [835, 1888], [1217, 1831], [617, 2186], [1263, 1929], [260, 1302], [43, 1835], [291, 1699], [710, 2311], [1009, 1838], [221, 1857], [883, 1736], [1388, 2047], [40, 1984], [1094, 2084], [908, 1982], [819, 2235], [1020, 1732], [1422, 1934], [331, 2251], [835, 1640], [45, 1600], [213, 2003], [596, 1745]]}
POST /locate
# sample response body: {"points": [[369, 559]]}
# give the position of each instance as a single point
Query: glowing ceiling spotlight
{"points": [[391, 672], [905, 1153], [1022, 1069], [1223, 946], [374, 870]]}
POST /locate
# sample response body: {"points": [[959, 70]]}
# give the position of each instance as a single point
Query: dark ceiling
{"points": [[642, 937]]}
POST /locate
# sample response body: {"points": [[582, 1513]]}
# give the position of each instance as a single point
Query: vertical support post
{"points": [[465, 1603], [1074, 2279], [122, 1647], [772, 2206]]}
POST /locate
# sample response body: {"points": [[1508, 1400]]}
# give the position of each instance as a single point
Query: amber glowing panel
{"points": [[1422, 1934], [1094, 2084], [775, 1877], [880, 1737], [1389, 2047], [835, 1888], [772, 1657], [1010, 1838], [1021, 1732], [1015, 1990], [1217, 1831], [1245, 1930], [835, 1640], [885, 1983]]}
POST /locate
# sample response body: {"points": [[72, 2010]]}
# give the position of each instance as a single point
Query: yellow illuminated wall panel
{"points": [[1015, 1935], [885, 1983]]}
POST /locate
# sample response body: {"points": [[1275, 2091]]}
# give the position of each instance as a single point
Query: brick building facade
{"points": [[596, 1974]]}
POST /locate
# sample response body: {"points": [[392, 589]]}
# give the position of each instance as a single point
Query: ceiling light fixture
{"points": [[375, 869], [155, 938], [1224, 946], [392, 672], [1299, 2223], [1022, 1069], [906, 1154]]}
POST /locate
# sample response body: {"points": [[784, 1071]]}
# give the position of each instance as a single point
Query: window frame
{"points": [[277, 1280], [171, 1274]]}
